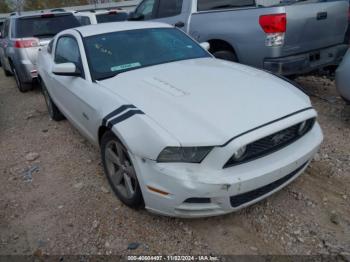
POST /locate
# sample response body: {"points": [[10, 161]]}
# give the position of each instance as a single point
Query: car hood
{"points": [[207, 101]]}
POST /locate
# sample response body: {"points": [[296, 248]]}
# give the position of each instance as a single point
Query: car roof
{"points": [[37, 14], [97, 12], [104, 28]]}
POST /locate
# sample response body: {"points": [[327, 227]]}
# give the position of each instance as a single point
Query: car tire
{"points": [[226, 55], [347, 101], [120, 171], [22, 87], [7, 72], [54, 113]]}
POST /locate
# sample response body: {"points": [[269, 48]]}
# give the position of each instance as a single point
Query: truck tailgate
{"points": [[311, 26]]}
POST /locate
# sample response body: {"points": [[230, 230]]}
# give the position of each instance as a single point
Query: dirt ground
{"points": [[66, 206]]}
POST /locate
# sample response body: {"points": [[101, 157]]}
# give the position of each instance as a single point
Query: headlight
{"points": [[240, 153], [184, 154]]}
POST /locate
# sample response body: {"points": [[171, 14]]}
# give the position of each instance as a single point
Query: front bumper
{"points": [[227, 189], [306, 62]]}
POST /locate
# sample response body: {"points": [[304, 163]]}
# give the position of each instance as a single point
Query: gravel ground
{"points": [[66, 205]]}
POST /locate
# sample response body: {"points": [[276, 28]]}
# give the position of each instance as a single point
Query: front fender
{"points": [[143, 137]]}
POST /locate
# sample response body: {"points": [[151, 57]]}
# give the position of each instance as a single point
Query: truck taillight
{"points": [[26, 43], [275, 26]]}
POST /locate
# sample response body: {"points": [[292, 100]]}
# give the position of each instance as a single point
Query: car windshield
{"points": [[46, 25], [111, 17], [113, 53]]}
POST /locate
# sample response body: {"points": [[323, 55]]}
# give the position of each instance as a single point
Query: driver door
{"points": [[72, 93]]}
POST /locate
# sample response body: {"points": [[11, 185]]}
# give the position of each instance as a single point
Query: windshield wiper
{"points": [[106, 77]]}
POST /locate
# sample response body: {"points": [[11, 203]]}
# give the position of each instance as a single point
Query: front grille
{"points": [[271, 143], [247, 197]]}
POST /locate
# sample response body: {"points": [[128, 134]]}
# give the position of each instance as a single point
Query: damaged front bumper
{"points": [[196, 190]]}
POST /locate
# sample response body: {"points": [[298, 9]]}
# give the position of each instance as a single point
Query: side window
{"points": [[146, 9], [83, 20], [6, 29], [168, 8], [67, 51]]}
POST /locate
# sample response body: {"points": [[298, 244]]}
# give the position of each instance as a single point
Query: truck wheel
{"points": [[226, 55], [54, 113], [23, 87], [120, 171]]}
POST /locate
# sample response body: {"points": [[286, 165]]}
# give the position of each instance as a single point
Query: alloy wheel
{"points": [[120, 169]]}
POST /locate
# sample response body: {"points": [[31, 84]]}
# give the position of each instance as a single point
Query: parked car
{"points": [[180, 132], [23, 35], [1, 25], [101, 16], [347, 35], [285, 39], [343, 78]]}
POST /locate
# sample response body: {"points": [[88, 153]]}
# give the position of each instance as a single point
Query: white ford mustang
{"points": [[180, 132]]}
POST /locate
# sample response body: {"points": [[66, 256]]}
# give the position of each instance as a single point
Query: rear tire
{"points": [[347, 102], [120, 171], [22, 87], [226, 55], [7, 72], [54, 113]]}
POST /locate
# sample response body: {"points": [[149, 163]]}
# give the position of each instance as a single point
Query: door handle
{"points": [[322, 15], [180, 24]]}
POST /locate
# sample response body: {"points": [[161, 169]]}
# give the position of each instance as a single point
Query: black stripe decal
{"points": [[116, 112], [124, 117], [269, 123]]}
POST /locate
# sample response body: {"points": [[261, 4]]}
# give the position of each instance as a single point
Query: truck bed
{"points": [[310, 26]]}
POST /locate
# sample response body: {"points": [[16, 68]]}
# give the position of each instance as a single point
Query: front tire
{"points": [[54, 113], [120, 171]]}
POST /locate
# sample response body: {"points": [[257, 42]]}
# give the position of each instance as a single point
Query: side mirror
{"points": [[66, 69], [135, 16], [205, 45]]}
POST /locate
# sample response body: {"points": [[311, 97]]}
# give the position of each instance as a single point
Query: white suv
{"points": [[101, 16]]}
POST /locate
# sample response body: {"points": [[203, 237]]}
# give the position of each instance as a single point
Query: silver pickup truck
{"points": [[288, 39]]}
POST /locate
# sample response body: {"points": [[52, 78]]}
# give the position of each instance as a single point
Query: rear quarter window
{"points": [[84, 20], [207, 5], [113, 17], [168, 8], [44, 26]]}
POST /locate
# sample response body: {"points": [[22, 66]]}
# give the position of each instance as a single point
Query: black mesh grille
{"points": [[271, 143]]}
